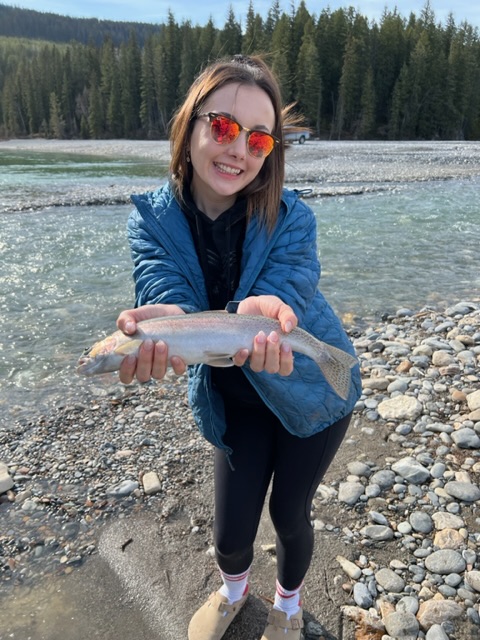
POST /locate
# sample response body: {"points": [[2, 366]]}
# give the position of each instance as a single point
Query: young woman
{"points": [[224, 229]]}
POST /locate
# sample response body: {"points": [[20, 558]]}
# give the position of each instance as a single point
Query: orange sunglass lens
{"points": [[260, 144], [224, 130]]}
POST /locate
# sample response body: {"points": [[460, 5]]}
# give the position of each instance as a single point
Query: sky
{"points": [[199, 12]]}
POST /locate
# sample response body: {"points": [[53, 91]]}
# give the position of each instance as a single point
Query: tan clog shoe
{"points": [[279, 628], [214, 617]]}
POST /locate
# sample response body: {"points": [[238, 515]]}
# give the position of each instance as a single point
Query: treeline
{"points": [[41, 25], [403, 78]]}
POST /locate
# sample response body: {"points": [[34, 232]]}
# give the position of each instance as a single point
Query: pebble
{"points": [[390, 581], [350, 568], [362, 596], [410, 518], [436, 632], [402, 625], [445, 561], [122, 489], [464, 491], [472, 578], [421, 522], [151, 483]]}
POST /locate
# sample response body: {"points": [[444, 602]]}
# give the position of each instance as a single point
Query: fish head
{"points": [[93, 359], [106, 346], [107, 355]]}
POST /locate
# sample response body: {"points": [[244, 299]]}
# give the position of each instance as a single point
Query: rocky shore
{"points": [[401, 499]]}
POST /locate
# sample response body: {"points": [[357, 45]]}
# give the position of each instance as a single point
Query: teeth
{"points": [[230, 170]]}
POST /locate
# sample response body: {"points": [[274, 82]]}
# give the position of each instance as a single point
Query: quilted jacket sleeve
{"points": [[165, 264]]}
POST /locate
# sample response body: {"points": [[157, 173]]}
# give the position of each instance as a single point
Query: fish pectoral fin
{"points": [[218, 359], [129, 347]]}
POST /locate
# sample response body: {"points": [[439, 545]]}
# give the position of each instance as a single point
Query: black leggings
{"points": [[263, 448]]}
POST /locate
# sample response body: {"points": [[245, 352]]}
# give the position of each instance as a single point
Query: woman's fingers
{"points": [[145, 361], [271, 355], [150, 362], [127, 369]]}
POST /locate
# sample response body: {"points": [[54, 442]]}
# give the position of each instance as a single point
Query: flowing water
{"points": [[65, 272]]}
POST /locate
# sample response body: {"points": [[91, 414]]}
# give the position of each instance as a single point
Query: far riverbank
{"points": [[328, 168]]}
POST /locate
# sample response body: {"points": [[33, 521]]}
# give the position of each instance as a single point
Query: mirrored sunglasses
{"points": [[225, 130]]}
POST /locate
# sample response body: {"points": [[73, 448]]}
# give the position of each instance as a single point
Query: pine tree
{"points": [[351, 84], [207, 48], [188, 59], [95, 112], [309, 83], [130, 77], [280, 66], [167, 72], [57, 123], [389, 57], [149, 107], [366, 128], [332, 34], [230, 37], [253, 38], [401, 122]]}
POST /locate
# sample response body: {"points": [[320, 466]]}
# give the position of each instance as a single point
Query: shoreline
{"points": [[325, 168]]}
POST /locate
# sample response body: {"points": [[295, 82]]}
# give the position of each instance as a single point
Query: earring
{"points": [[188, 156]]}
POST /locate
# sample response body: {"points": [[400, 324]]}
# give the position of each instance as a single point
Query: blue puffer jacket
{"points": [[283, 263]]}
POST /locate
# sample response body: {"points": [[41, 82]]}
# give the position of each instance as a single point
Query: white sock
{"points": [[234, 586], [287, 601]]}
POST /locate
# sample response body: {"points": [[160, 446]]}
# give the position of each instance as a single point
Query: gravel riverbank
{"points": [[397, 517], [326, 168]]}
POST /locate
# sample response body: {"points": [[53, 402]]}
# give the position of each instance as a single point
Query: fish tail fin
{"points": [[336, 369]]}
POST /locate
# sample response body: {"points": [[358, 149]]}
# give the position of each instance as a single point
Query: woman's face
{"points": [[220, 171]]}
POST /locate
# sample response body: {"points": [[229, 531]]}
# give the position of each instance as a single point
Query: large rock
{"points": [[410, 469], [438, 610], [445, 561], [466, 491], [400, 408], [472, 578], [6, 481], [473, 400]]}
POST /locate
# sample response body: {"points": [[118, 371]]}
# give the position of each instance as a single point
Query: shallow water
{"points": [[415, 245], [34, 175]]}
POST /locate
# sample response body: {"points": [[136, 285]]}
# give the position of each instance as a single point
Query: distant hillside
{"points": [[27, 23]]}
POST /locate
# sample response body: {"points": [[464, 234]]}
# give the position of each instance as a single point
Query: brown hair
{"points": [[264, 192]]}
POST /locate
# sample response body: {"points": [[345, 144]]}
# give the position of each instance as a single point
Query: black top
{"points": [[219, 248]]}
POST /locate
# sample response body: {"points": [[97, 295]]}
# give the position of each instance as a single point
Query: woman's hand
{"points": [[152, 358], [268, 354]]}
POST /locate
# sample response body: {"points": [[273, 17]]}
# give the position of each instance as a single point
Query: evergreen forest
{"points": [[403, 78]]}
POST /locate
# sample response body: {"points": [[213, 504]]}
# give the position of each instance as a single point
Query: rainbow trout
{"points": [[213, 338]]}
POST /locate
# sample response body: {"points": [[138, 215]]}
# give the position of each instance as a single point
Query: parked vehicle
{"points": [[296, 134]]}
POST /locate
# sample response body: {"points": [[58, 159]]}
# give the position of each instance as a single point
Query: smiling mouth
{"points": [[226, 169]]}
